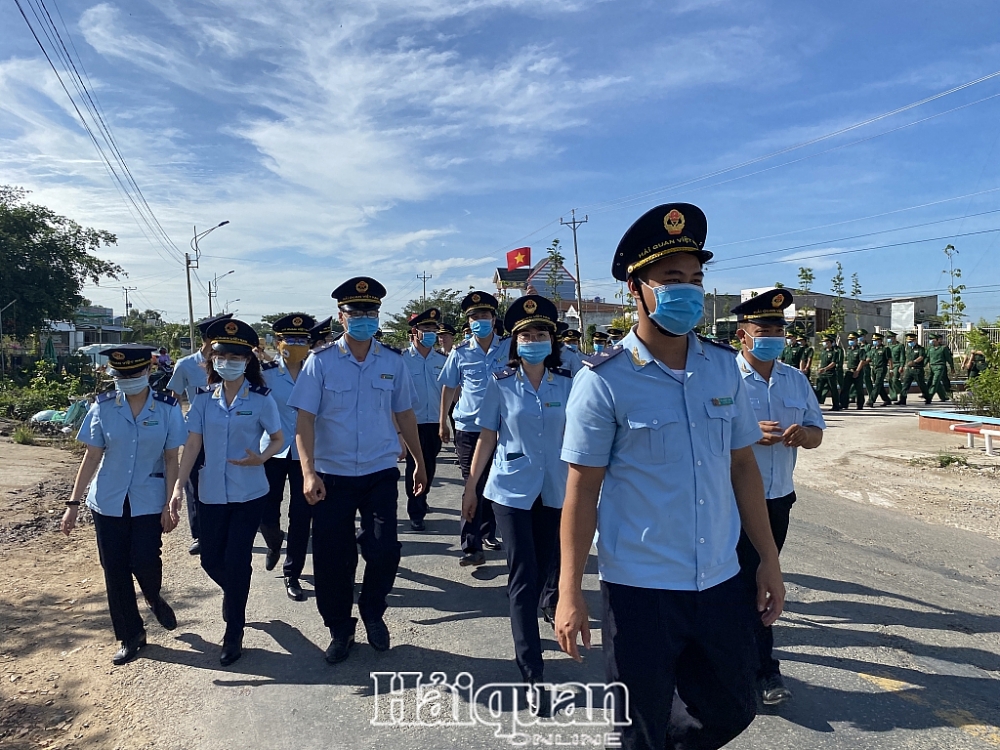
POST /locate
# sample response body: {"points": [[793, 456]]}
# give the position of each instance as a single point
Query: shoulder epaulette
{"points": [[561, 371], [268, 365], [391, 348], [323, 348], [263, 390], [716, 342], [165, 398], [504, 373], [204, 389], [106, 396], [601, 357]]}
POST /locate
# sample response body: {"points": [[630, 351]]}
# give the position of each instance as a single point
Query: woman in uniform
{"points": [[227, 418], [132, 435], [522, 416]]}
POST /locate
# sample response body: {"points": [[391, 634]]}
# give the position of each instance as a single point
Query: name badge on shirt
{"points": [[244, 414], [385, 376], [150, 423], [722, 402], [553, 403]]}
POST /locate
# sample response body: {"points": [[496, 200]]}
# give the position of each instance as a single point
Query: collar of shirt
{"points": [[375, 350], [414, 352], [121, 403], [641, 357], [219, 395], [747, 370], [474, 344]]}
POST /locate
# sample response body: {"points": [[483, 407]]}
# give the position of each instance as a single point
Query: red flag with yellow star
{"points": [[518, 258]]}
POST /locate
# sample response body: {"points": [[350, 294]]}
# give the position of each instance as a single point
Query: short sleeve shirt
{"points": [[667, 516], [354, 403], [426, 388], [787, 398], [530, 425], [132, 463], [228, 431], [471, 368], [279, 380], [189, 375]]}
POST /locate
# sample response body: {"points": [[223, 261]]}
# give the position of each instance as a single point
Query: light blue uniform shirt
{"points": [[132, 463], [471, 368], [279, 380], [530, 424], [354, 403], [787, 399], [426, 388], [227, 432], [667, 517], [572, 359], [189, 375]]}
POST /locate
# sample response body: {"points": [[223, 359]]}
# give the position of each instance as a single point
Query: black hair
{"points": [[252, 373], [552, 362]]}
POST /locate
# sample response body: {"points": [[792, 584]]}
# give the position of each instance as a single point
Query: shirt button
{"points": [[656, 421], [699, 463], [701, 501], [702, 575], [701, 541], [692, 424]]}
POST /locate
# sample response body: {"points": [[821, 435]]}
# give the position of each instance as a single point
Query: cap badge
{"points": [[296, 321], [777, 301], [530, 306], [673, 222], [117, 355], [476, 298], [361, 287], [433, 313], [232, 328]]}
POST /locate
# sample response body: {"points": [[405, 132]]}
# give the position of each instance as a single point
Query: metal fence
{"points": [[960, 341]]}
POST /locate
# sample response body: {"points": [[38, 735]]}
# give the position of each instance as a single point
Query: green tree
{"points": [[838, 314], [45, 260], [806, 280], [553, 275], [953, 308], [856, 296]]}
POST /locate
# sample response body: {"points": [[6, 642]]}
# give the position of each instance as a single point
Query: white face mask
{"points": [[132, 386]]}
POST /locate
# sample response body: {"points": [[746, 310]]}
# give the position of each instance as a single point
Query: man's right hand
{"points": [[313, 487], [773, 433], [572, 618], [444, 432]]}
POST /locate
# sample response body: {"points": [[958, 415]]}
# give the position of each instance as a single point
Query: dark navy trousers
{"points": [[279, 471], [430, 447], [484, 524]]}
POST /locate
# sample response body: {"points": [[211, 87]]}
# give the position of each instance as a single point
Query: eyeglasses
{"points": [[527, 338], [289, 341], [358, 314]]}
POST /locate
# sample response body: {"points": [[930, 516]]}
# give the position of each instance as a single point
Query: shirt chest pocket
{"points": [[794, 411], [381, 391], [720, 427], [651, 431], [474, 373], [339, 394]]}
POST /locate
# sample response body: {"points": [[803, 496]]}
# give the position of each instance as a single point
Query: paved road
{"points": [[891, 640]]}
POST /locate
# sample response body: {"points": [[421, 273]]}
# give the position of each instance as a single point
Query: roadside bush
{"points": [[47, 389], [983, 395], [23, 435]]}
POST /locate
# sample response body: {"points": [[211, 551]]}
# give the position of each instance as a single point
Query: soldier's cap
{"points": [[801, 335], [561, 327], [531, 310], [293, 324], [766, 308], [571, 334], [321, 330], [600, 337], [661, 231], [203, 325], [862, 332], [479, 301], [852, 336], [127, 359], [432, 315], [232, 336], [888, 334], [830, 337], [876, 337], [911, 336], [615, 332], [446, 328], [937, 336], [362, 293]]}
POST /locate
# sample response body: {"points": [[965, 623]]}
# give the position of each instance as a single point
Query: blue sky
{"points": [[394, 137]]}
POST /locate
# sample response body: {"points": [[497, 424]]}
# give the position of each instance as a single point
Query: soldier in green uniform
{"points": [[913, 369], [831, 362], [806, 360], [897, 356], [880, 361], [865, 346], [975, 363], [940, 358], [791, 355], [854, 365]]}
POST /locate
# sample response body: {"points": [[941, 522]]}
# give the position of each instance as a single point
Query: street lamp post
{"points": [[212, 294], [188, 265], [228, 303]]}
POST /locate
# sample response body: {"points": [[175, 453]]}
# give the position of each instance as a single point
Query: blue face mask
{"points": [[534, 352], [679, 307], [362, 329], [428, 338], [132, 386], [911, 343], [481, 328], [571, 347], [766, 348], [230, 369], [598, 348], [852, 342]]}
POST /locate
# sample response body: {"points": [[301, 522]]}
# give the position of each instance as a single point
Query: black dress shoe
{"points": [[163, 613], [231, 652], [417, 524], [492, 543], [378, 634], [195, 549], [539, 701], [472, 558], [773, 691], [294, 590], [338, 649], [129, 649], [271, 560]]}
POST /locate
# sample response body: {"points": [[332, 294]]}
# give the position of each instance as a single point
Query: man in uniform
{"points": [[425, 364], [614, 335], [351, 396], [913, 369], [190, 375], [897, 356], [940, 358], [470, 367], [831, 364], [866, 348], [321, 333], [600, 341], [572, 358], [880, 360], [660, 430], [806, 361], [791, 355], [854, 365], [446, 338], [789, 416]]}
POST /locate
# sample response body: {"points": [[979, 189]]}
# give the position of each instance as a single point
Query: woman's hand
{"points": [[252, 459], [168, 520], [68, 522], [469, 502]]}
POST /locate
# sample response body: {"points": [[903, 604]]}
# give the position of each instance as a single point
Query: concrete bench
{"points": [[988, 436], [970, 431]]}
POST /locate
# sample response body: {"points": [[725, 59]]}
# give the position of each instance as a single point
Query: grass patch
{"points": [[944, 460], [23, 435]]}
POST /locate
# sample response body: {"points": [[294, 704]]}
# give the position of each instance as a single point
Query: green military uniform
{"points": [[896, 357], [831, 363], [916, 357], [791, 355], [866, 348], [854, 358], [977, 365], [806, 359], [940, 358], [880, 361]]}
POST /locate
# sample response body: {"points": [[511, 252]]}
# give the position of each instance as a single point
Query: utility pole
{"points": [[188, 265], [210, 295], [2, 347], [424, 277], [573, 223], [128, 305], [213, 290]]}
